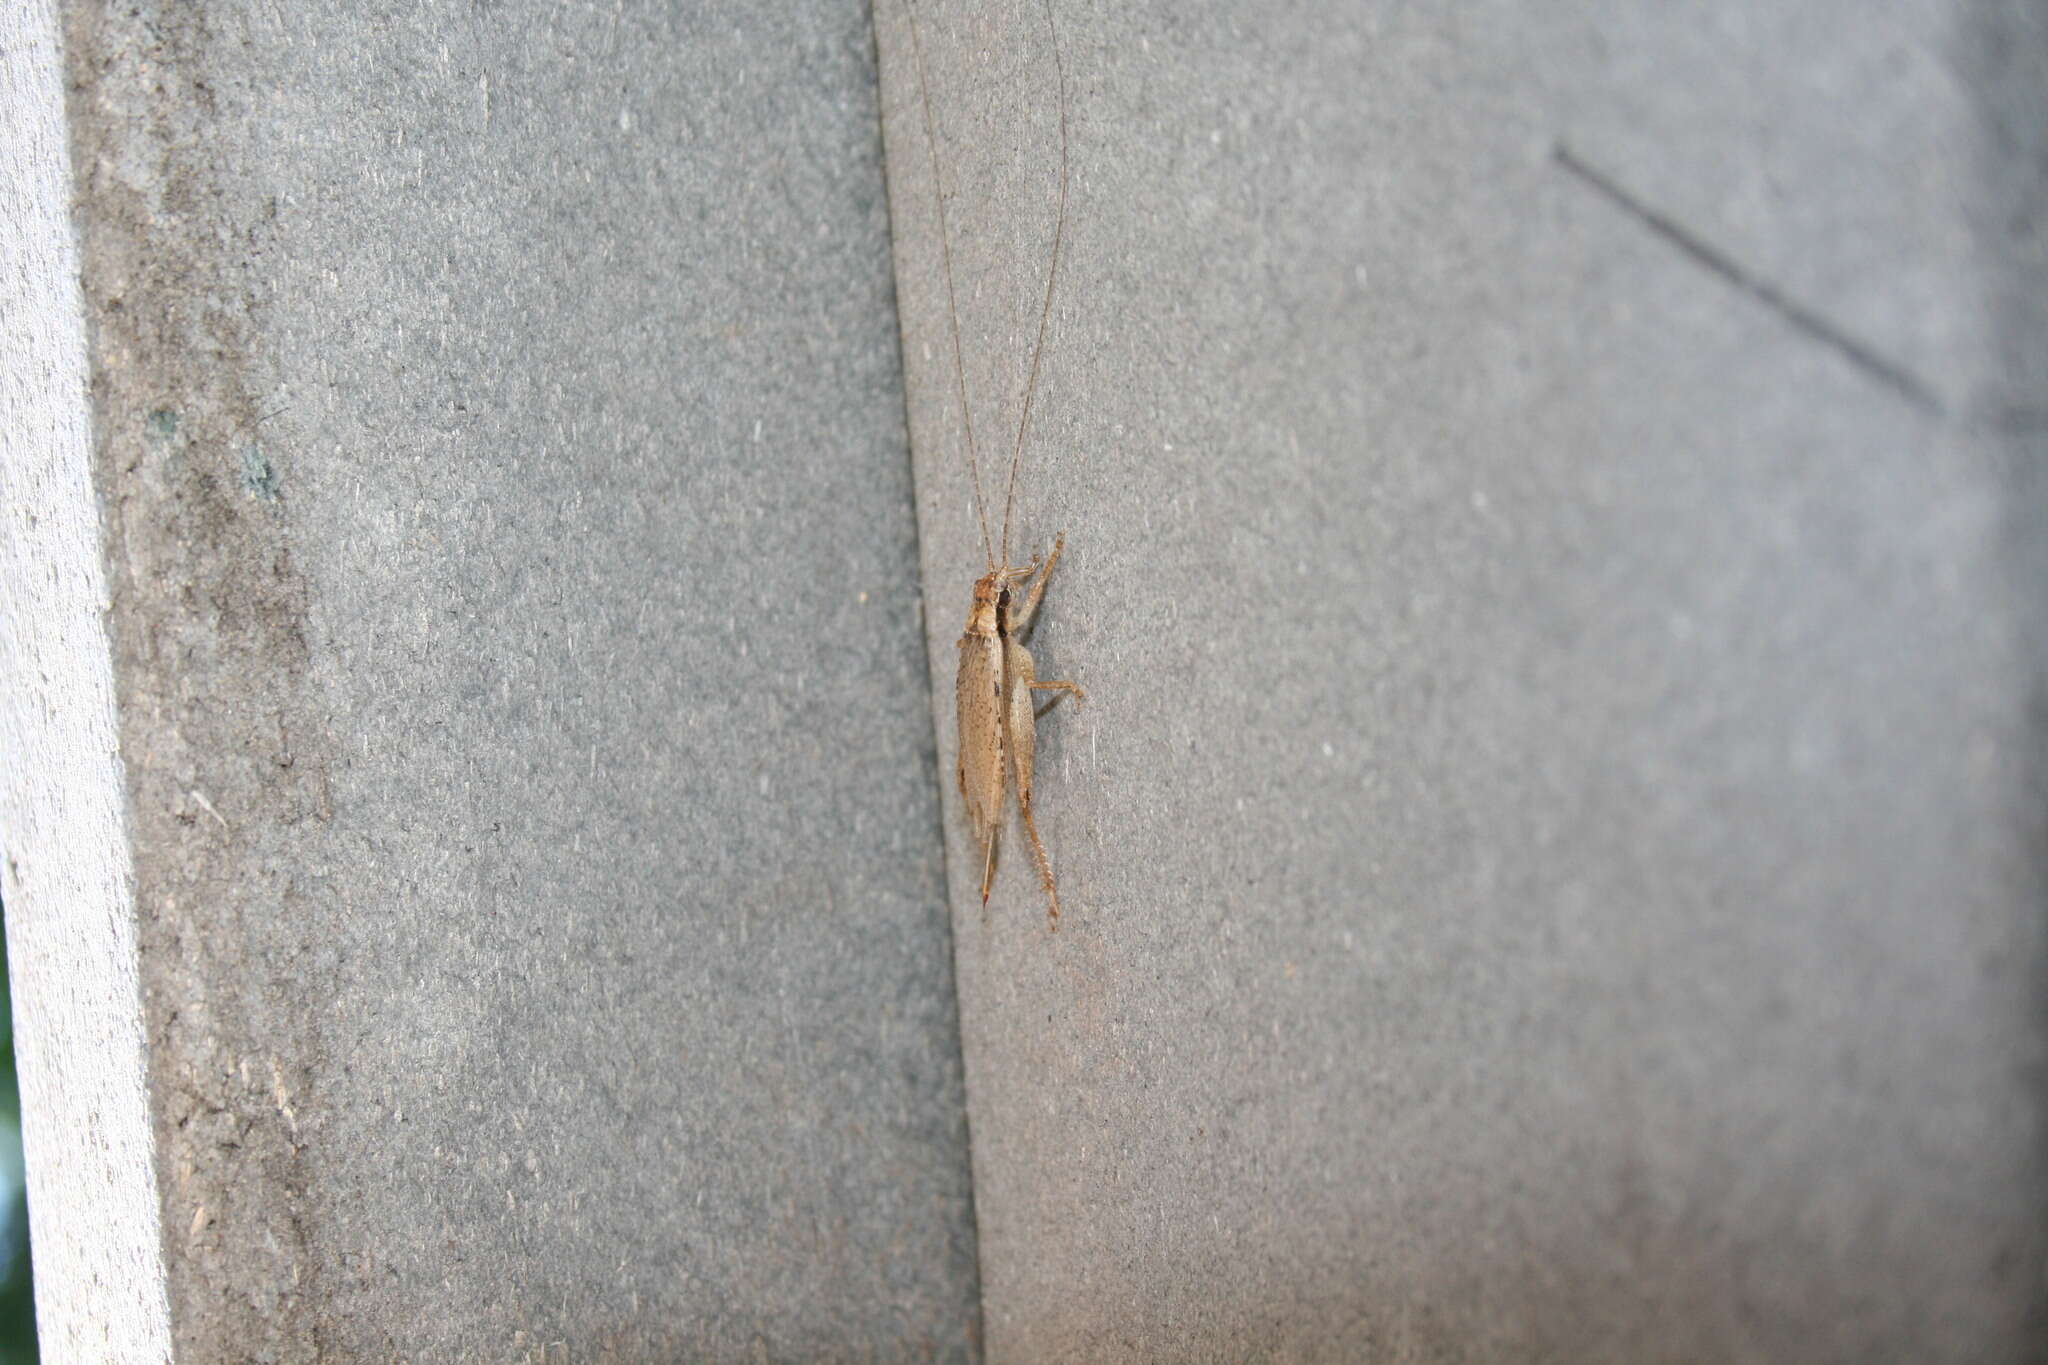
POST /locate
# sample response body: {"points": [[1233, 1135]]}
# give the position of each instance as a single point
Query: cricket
{"points": [[996, 687]]}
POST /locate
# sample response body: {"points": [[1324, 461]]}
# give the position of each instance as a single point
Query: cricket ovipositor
{"points": [[993, 690]]}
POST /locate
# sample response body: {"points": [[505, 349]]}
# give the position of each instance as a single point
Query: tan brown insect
{"points": [[993, 691]]}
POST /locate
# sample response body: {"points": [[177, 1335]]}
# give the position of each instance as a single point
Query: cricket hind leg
{"points": [[1023, 745], [1060, 687], [1052, 891]]}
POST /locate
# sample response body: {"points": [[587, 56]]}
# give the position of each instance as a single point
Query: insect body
{"points": [[998, 725], [997, 678]]}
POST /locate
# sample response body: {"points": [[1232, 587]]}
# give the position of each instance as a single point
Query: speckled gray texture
{"points": [[499, 429], [1552, 860]]}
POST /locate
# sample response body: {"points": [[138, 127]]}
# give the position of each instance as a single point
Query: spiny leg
{"points": [[1052, 893]]}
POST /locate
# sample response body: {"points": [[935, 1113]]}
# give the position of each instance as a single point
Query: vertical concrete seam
{"points": [[924, 620]]}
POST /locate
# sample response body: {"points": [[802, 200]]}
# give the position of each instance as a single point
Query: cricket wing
{"points": [[978, 693]]}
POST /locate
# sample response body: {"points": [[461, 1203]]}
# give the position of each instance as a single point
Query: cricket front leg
{"points": [[1021, 623]]}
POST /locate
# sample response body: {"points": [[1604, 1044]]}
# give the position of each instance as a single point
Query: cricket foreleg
{"points": [[1021, 623]]}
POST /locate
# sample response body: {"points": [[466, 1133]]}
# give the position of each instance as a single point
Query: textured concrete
{"points": [[77, 1000], [498, 425], [1552, 859]]}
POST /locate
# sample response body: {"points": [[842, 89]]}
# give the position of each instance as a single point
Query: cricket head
{"points": [[991, 596], [989, 590]]}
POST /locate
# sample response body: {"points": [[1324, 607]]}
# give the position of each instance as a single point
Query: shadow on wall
{"points": [[17, 1302]]}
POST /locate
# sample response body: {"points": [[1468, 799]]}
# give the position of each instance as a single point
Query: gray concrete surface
{"points": [[77, 1000], [497, 422], [1551, 857], [1552, 860]]}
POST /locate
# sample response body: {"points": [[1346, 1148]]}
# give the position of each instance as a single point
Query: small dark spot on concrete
{"points": [[259, 478], [162, 424]]}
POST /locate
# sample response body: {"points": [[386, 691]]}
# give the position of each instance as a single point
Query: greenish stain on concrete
{"points": [[259, 476]]}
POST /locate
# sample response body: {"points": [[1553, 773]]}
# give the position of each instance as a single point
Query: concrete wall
{"points": [[497, 425], [1552, 855], [1552, 861]]}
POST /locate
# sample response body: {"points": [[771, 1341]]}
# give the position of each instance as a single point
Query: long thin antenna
{"points": [[931, 144], [1052, 275]]}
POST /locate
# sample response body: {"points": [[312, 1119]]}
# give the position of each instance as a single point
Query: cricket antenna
{"points": [[931, 144], [1059, 232]]}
